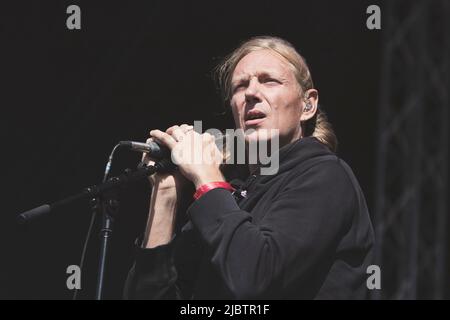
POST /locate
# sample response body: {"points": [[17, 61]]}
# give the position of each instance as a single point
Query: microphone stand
{"points": [[109, 205], [103, 196]]}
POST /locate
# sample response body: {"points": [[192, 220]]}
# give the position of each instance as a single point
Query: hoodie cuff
{"points": [[209, 211], [157, 261]]}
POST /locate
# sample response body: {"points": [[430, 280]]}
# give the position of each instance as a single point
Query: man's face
{"points": [[265, 95]]}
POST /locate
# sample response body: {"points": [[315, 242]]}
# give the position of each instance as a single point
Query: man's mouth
{"points": [[254, 117]]}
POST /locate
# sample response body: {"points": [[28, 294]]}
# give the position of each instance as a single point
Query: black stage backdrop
{"points": [[68, 96]]}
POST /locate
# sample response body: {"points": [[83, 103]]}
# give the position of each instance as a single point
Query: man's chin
{"points": [[261, 135]]}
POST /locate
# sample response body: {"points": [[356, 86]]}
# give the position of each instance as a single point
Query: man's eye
{"points": [[271, 80], [239, 86]]}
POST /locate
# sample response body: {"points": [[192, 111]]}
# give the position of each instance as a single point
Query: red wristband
{"points": [[204, 188]]}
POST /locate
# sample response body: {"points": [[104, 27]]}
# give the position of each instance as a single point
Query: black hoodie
{"points": [[304, 233]]}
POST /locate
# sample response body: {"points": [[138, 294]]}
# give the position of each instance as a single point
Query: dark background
{"points": [[68, 96]]}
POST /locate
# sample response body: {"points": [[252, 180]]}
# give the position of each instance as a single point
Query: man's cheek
{"points": [[275, 119]]}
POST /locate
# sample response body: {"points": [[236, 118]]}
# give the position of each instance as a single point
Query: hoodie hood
{"points": [[299, 151], [289, 156]]}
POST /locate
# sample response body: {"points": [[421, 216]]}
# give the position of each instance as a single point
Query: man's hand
{"points": [[196, 155], [166, 181]]}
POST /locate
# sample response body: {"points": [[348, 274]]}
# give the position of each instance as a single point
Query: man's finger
{"points": [[185, 127], [163, 137], [171, 129], [178, 134]]}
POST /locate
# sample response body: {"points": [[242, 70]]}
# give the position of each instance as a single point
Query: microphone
{"points": [[152, 148], [159, 152]]}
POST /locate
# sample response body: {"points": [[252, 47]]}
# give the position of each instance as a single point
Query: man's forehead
{"points": [[260, 62]]}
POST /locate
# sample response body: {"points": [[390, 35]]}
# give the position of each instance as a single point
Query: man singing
{"points": [[301, 233]]}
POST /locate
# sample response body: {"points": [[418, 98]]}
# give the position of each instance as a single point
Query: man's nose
{"points": [[252, 93]]}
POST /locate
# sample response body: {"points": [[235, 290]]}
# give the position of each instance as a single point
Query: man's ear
{"points": [[309, 104]]}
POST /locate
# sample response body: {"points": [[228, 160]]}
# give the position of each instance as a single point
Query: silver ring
{"points": [[178, 139]]}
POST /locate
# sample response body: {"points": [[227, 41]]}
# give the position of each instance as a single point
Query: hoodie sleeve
{"points": [[301, 226], [153, 274]]}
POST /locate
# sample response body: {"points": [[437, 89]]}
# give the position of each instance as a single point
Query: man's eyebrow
{"points": [[267, 73], [240, 79], [275, 73]]}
